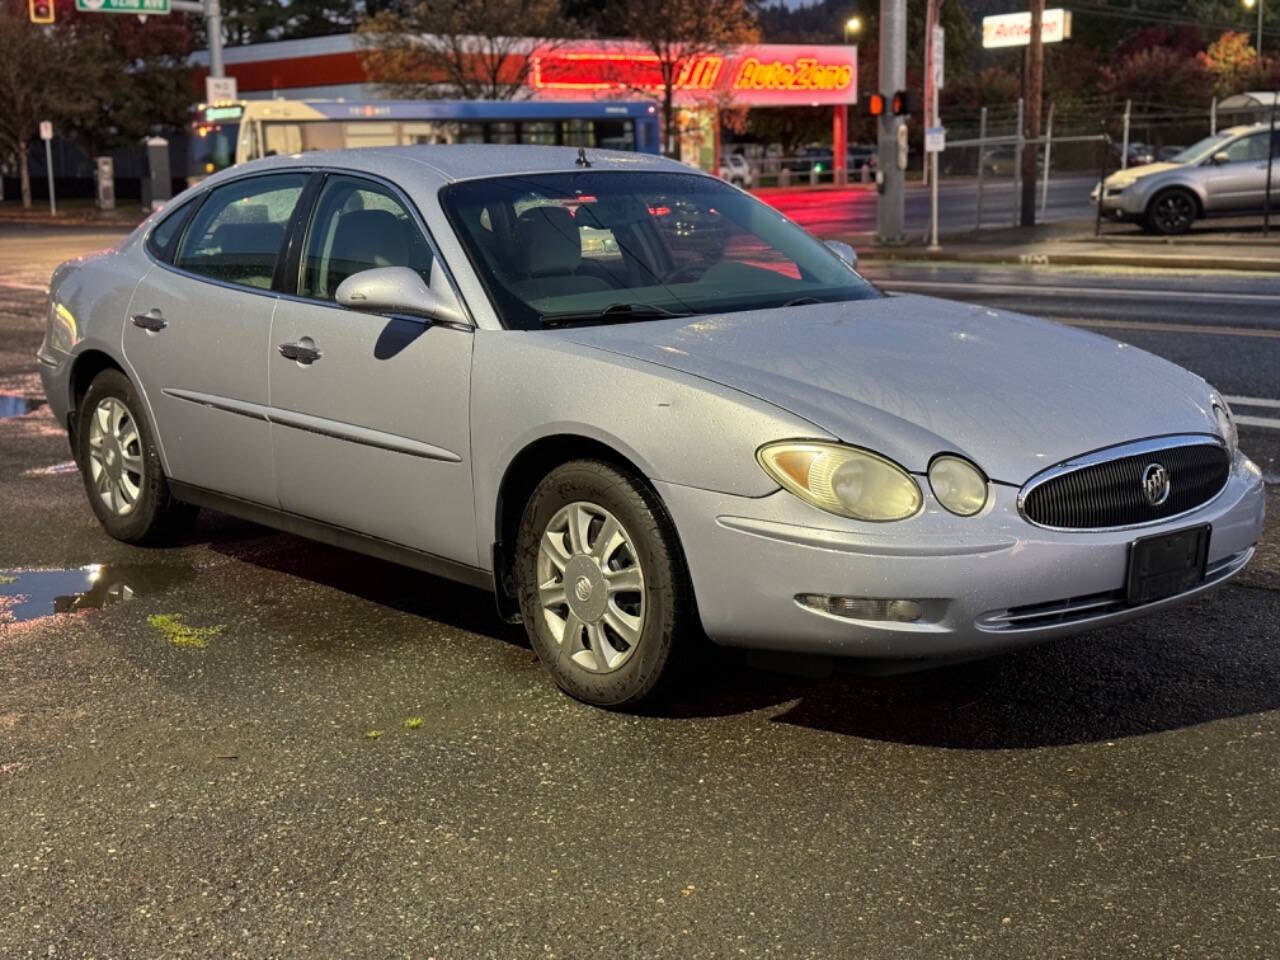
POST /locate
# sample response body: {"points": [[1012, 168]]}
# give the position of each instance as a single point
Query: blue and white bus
{"points": [[227, 133]]}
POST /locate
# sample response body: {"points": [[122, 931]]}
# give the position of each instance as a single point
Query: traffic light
{"points": [[41, 11], [875, 105], [905, 102]]}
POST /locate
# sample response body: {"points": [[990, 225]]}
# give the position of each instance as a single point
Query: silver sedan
{"points": [[636, 404]]}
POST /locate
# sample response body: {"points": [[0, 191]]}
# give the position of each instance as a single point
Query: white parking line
{"points": [[1254, 402], [1266, 423], [1063, 290]]}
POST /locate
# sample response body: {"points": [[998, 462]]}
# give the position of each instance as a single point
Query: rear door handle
{"points": [[151, 322], [300, 352]]}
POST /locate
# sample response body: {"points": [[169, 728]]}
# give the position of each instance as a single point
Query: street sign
{"points": [[123, 6], [939, 53], [935, 139], [220, 89], [46, 130], [1014, 29]]}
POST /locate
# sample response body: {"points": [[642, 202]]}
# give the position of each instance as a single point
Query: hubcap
{"points": [[1175, 212], [115, 456], [591, 587]]}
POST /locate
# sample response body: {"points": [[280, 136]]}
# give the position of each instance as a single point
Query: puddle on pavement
{"points": [[31, 594], [15, 405]]}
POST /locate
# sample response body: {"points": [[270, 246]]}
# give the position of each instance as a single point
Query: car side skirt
{"points": [[333, 535]]}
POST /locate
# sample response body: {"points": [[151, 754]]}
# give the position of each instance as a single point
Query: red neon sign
{"points": [[803, 75]]}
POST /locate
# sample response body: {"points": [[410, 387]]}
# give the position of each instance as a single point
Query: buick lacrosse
{"points": [[636, 404]]}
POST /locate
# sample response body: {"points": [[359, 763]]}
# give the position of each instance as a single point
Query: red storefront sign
{"points": [[763, 75]]}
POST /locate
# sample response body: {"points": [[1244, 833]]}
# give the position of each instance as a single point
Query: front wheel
{"points": [[1171, 212], [121, 466], [602, 584]]}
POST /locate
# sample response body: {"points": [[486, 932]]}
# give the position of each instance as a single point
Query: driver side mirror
{"points": [[1221, 157], [843, 251], [401, 291]]}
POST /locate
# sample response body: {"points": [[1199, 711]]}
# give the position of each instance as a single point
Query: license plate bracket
{"points": [[1168, 564]]}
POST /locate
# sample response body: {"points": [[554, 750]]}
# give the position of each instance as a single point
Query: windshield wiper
{"points": [[802, 302], [614, 313]]}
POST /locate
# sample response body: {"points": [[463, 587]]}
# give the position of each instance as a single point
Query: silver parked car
{"points": [[633, 402], [1222, 175]]}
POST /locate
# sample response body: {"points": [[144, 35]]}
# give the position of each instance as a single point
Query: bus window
{"points": [[502, 132], [366, 134], [281, 139], [428, 131], [213, 148], [616, 134], [471, 133], [578, 133], [543, 132]]}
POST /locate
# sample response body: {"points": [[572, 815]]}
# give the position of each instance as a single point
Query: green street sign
{"points": [[123, 6]]}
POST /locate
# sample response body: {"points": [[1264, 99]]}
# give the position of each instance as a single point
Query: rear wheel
{"points": [[121, 466], [1171, 212], [602, 586]]}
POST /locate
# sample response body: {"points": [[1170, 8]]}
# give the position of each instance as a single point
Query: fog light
{"points": [[862, 608]]}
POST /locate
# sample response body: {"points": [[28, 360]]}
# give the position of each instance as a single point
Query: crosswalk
{"points": [[1268, 417]]}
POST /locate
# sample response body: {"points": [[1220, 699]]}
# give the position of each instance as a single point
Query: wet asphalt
{"points": [[252, 746]]}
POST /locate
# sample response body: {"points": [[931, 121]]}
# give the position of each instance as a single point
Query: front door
{"points": [[370, 427], [199, 335]]}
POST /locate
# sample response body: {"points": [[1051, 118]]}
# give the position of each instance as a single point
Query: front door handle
{"points": [[300, 352], [151, 322]]}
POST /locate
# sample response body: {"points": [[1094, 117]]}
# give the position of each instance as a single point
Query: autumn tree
{"points": [[473, 49], [675, 31], [1155, 77], [1232, 62]]}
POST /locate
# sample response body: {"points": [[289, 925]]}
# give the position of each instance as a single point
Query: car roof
{"points": [[447, 163]]}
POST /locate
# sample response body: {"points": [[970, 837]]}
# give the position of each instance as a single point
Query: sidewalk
{"points": [[1072, 243]]}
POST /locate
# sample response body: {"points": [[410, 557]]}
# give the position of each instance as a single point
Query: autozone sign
{"points": [[767, 74], [1014, 29], [803, 74]]}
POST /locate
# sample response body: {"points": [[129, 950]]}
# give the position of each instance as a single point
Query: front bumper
{"points": [[984, 583]]}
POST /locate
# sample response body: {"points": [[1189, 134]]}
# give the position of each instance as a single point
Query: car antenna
{"points": [[582, 160]]}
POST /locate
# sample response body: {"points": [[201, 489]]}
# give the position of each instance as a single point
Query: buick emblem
{"points": [[1155, 484]]}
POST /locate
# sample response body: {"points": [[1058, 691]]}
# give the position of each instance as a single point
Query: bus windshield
{"points": [[213, 140]]}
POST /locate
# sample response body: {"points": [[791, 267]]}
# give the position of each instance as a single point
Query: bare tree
{"points": [[46, 73], [474, 49], [678, 31]]}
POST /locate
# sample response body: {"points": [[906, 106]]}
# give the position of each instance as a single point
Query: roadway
{"points": [[361, 761], [851, 210]]}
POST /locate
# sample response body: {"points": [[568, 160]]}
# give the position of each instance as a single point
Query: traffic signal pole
{"points": [[211, 10], [893, 76]]}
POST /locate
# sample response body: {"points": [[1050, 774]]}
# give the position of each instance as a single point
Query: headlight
{"points": [[842, 480], [1227, 425], [958, 484]]}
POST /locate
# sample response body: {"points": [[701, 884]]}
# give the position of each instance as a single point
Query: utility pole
{"points": [[893, 76], [1032, 89], [211, 10]]}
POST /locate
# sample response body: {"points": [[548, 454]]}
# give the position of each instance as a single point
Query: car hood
{"points": [[1124, 178], [912, 376]]}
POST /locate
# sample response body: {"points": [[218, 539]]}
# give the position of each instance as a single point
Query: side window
{"points": [[358, 225], [236, 236], [1248, 149], [163, 235]]}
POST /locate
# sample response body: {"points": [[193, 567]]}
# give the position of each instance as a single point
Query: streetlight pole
{"points": [[1249, 5], [211, 10]]}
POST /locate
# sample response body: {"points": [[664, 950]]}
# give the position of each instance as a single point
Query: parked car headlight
{"points": [[843, 480], [1226, 423], [959, 485]]}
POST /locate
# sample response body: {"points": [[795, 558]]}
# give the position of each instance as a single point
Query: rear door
{"points": [[1241, 182], [373, 434], [199, 336]]}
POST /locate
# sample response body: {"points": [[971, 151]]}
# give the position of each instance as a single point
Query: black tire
{"points": [[667, 598], [1172, 212], [155, 517]]}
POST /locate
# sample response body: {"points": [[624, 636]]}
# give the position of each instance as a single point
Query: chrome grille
{"points": [[1106, 489]]}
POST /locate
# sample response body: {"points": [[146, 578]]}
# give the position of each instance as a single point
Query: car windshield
{"points": [[610, 247], [1202, 150]]}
